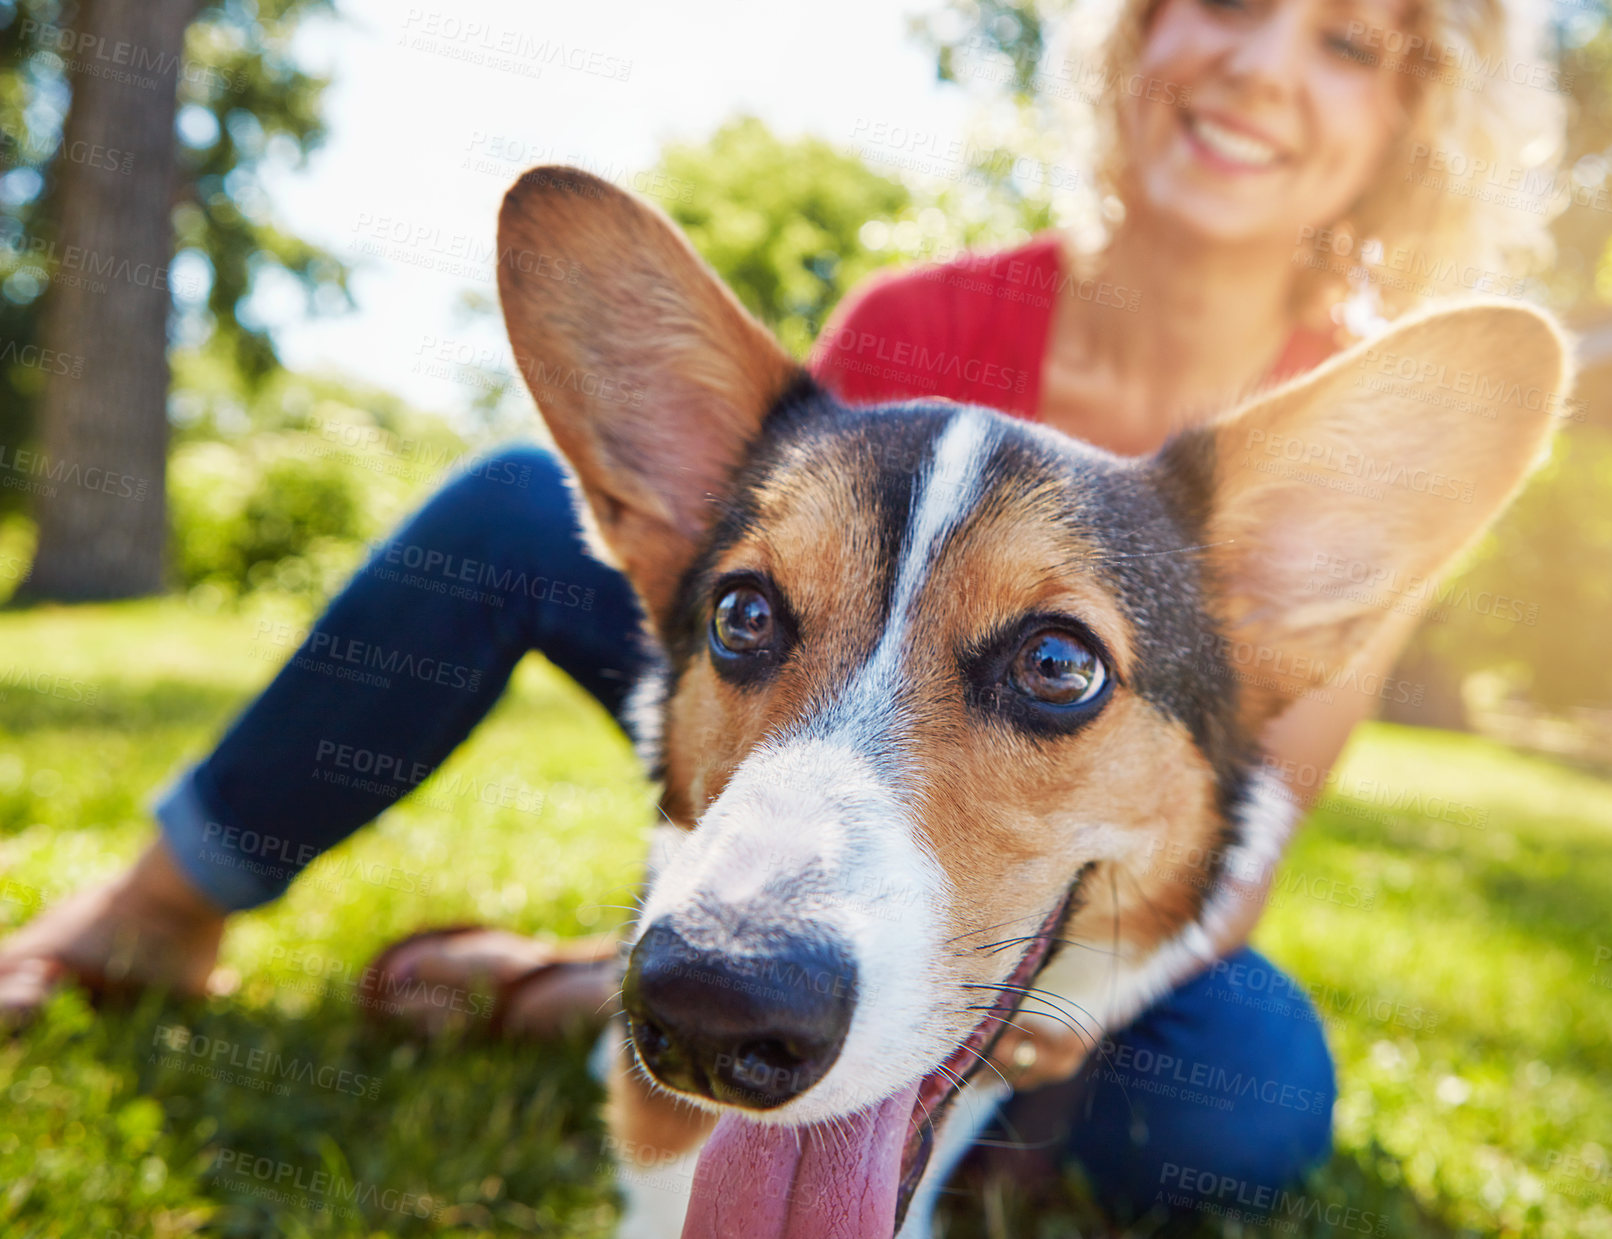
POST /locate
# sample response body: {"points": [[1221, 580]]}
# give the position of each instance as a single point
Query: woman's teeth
{"points": [[1232, 144]]}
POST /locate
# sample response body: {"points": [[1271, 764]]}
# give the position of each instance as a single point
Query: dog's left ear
{"points": [[650, 374], [1337, 497]]}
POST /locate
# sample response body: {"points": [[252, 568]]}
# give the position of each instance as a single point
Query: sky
{"points": [[435, 109]]}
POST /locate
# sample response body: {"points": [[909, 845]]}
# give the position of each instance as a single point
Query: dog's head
{"points": [[941, 687]]}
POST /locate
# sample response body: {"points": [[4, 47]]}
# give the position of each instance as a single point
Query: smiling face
{"points": [[1287, 119]]}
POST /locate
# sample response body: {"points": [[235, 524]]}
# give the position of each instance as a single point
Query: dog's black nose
{"points": [[752, 1028]]}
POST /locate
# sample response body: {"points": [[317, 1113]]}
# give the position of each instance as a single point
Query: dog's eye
{"points": [[1046, 675], [752, 629], [743, 623], [1057, 668]]}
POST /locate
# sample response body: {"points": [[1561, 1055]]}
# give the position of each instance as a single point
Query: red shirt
{"points": [[974, 330]]}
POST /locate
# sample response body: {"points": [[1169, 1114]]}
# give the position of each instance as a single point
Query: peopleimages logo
{"points": [[902, 356], [1340, 576], [482, 43], [1420, 56], [255, 1066], [474, 579], [1240, 657], [35, 357], [1196, 1082], [57, 470], [333, 648], [87, 52], [1206, 1191], [1486, 389], [1357, 463], [48, 684], [321, 1190], [82, 266]]}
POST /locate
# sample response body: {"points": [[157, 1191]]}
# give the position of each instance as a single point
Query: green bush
{"points": [[294, 505], [234, 522], [280, 489], [272, 512]]}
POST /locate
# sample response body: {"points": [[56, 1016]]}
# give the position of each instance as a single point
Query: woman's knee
{"points": [[502, 524], [1220, 1095], [502, 495], [504, 533]]}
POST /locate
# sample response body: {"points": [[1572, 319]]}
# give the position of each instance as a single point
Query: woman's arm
{"points": [[1303, 742]]}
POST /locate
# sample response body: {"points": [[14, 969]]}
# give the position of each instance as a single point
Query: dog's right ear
{"points": [[650, 374]]}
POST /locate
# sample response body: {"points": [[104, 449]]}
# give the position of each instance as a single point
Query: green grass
{"points": [[1452, 945]]}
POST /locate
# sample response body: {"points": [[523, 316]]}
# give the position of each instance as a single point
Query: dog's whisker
{"points": [[950, 1075], [985, 929], [1079, 1032], [929, 1119], [968, 1049], [996, 948], [1060, 1002], [958, 1082], [1085, 1036], [1051, 1000], [1094, 1045], [1089, 1039], [1013, 987]]}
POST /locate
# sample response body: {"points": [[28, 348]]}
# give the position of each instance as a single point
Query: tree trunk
{"points": [[98, 477]]}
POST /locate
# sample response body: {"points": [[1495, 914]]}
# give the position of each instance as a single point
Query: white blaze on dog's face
{"points": [[930, 672]]}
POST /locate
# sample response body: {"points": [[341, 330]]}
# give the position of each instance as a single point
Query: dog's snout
{"points": [[749, 1027]]}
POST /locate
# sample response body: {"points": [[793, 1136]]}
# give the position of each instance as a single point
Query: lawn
{"points": [[1449, 906]]}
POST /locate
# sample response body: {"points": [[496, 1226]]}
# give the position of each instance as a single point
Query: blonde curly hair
{"points": [[1465, 196]]}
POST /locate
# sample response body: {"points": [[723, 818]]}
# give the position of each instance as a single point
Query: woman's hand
{"points": [[1037, 1050], [1302, 744]]}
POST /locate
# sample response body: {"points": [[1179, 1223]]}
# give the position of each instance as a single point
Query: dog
{"points": [[937, 688]]}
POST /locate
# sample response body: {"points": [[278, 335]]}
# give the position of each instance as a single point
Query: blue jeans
{"points": [[399, 670], [417, 648], [1215, 1099]]}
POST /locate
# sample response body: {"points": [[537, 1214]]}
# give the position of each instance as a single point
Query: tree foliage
{"points": [[243, 98], [781, 221]]}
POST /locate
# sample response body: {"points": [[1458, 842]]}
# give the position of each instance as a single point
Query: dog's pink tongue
{"points": [[761, 1181]]}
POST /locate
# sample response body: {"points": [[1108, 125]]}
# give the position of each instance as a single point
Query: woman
{"points": [[1240, 142]]}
